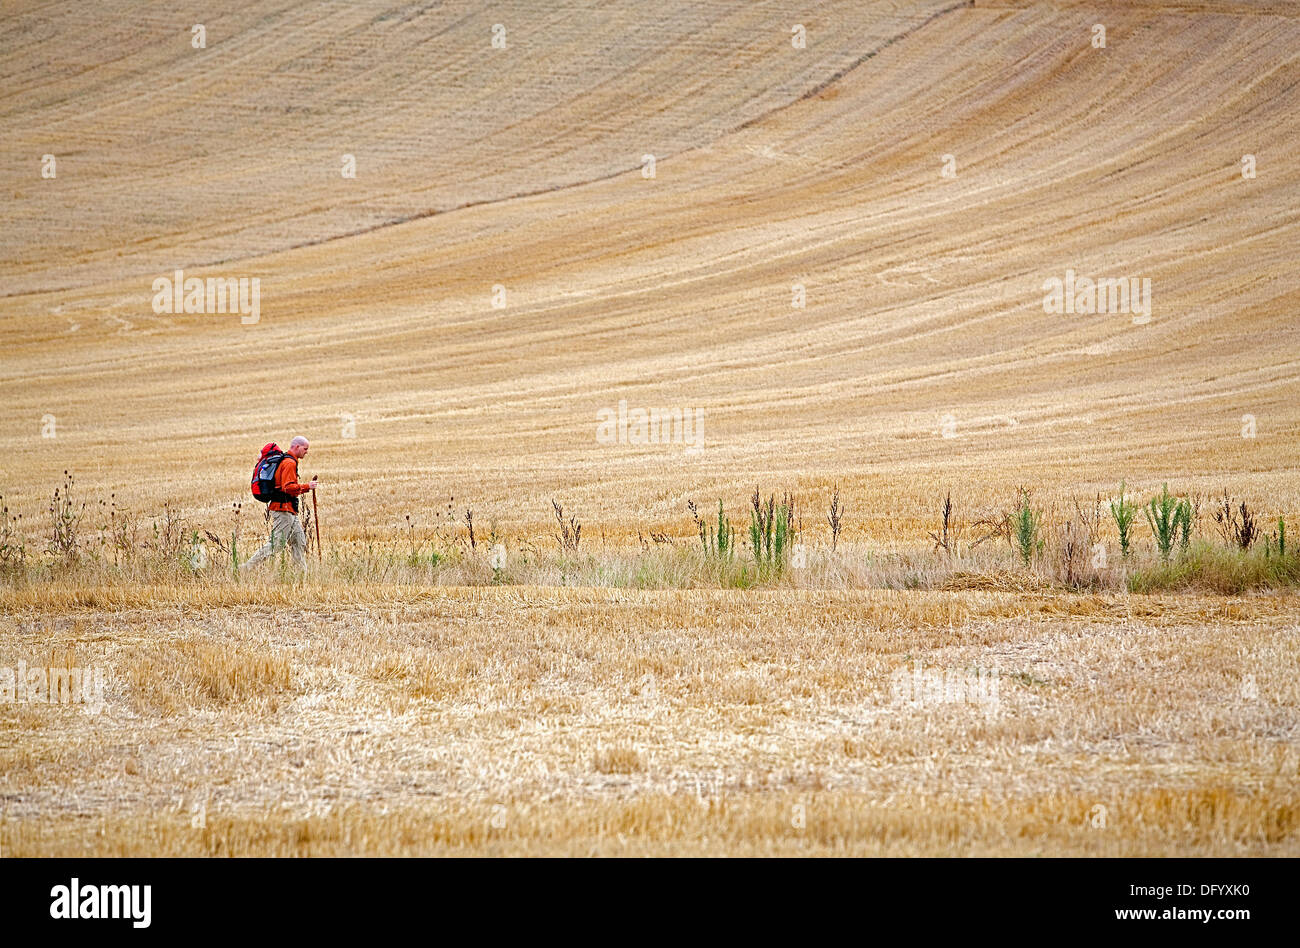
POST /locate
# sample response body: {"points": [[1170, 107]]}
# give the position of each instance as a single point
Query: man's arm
{"points": [[288, 477], [297, 490]]}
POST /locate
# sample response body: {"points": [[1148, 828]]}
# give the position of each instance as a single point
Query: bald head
{"points": [[298, 447]]}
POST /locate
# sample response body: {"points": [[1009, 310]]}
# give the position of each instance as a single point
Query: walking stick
{"points": [[315, 515]]}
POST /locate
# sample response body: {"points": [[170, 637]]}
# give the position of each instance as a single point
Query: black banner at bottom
{"points": [[946, 898]]}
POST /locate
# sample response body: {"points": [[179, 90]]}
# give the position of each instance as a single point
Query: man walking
{"points": [[286, 529]]}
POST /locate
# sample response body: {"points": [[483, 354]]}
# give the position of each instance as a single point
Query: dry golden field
{"points": [[837, 266], [549, 721]]}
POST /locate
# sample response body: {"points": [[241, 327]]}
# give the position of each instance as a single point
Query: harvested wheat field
{"points": [[548, 721], [639, 347]]}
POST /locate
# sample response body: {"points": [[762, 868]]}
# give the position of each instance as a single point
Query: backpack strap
{"points": [[278, 494]]}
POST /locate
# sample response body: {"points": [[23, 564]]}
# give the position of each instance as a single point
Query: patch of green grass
{"points": [[740, 578], [1217, 569]]}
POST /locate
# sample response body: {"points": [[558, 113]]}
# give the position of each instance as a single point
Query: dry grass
{"points": [[1210, 821], [171, 675], [618, 760], [598, 720]]}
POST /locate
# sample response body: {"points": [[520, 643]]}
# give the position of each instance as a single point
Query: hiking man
{"points": [[286, 528]]}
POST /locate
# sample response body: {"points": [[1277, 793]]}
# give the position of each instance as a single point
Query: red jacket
{"points": [[286, 479]]}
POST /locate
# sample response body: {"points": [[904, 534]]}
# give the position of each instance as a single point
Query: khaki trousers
{"points": [[286, 530]]}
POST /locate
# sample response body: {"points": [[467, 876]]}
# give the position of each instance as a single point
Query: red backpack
{"points": [[263, 486]]}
